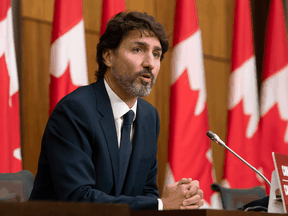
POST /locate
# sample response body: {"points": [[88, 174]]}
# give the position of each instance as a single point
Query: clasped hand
{"points": [[184, 194]]}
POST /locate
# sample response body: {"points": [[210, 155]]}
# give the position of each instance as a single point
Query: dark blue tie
{"points": [[125, 148]]}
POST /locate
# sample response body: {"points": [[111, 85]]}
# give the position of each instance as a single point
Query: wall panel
{"points": [[165, 11], [48, 10], [92, 14], [33, 9], [91, 43], [34, 89], [147, 6], [165, 15], [217, 80], [162, 91], [216, 21], [41, 10]]}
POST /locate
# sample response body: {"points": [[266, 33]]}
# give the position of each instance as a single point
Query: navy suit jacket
{"points": [[79, 153]]}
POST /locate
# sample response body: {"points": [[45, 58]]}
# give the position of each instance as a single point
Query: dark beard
{"points": [[129, 84]]}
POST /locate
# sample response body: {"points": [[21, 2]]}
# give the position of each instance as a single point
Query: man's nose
{"points": [[149, 61]]}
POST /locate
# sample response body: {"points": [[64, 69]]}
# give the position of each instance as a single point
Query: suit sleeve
{"points": [[67, 139]]}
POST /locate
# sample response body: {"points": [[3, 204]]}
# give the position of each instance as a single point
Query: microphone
{"points": [[216, 139]]}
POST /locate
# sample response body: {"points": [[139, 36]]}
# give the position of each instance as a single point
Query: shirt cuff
{"points": [[160, 205]]}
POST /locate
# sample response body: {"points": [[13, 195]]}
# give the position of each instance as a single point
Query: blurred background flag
{"points": [[10, 153], [109, 9], [243, 108], [274, 92], [68, 67], [189, 153]]}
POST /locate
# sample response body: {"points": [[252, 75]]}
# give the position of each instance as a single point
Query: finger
{"points": [[201, 203], [192, 201], [190, 194], [194, 186], [194, 191], [195, 183], [184, 181], [201, 193], [189, 207], [185, 187]]}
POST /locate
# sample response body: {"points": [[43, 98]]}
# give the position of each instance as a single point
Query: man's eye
{"points": [[136, 50], [156, 55]]}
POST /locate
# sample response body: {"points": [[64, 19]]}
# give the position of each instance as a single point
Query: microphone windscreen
{"points": [[210, 134]]}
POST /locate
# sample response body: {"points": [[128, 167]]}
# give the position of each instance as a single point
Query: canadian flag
{"points": [[109, 9], [274, 92], [243, 108], [189, 153], [10, 154], [68, 67]]}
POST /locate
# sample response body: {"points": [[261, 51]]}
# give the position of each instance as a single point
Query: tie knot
{"points": [[128, 117]]}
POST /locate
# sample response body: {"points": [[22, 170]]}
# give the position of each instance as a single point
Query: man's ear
{"points": [[107, 57]]}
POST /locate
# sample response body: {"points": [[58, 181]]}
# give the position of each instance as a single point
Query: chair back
{"points": [[236, 198], [16, 186]]}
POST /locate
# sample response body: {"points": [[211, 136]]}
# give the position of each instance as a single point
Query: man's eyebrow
{"points": [[158, 48], [145, 44]]}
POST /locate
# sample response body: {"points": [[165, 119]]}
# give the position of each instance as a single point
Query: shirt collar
{"points": [[119, 107]]}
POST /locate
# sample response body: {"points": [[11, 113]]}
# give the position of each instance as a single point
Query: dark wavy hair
{"points": [[118, 28]]}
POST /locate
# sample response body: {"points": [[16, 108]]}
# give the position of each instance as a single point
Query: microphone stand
{"points": [[217, 140]]}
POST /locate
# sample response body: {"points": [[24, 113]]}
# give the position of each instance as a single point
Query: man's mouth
{"points": [[145, 79], [146, 76]]}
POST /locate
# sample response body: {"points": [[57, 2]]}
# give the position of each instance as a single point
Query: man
{"points": [[100, 142]]}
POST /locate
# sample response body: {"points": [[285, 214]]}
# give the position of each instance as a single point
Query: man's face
{"points": [[136, 63]]}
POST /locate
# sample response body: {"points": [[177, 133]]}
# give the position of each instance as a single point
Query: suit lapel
{"points": [[107, 123], [139, 140]]}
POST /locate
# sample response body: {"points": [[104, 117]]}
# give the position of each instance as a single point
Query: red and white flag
{"points": [[10, 153], [109, 9], [243, 106], [274, 92], [189, 153], [68, 67]]}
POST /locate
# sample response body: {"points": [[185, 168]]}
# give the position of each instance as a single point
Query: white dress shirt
{"points": [[120, 108]]}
